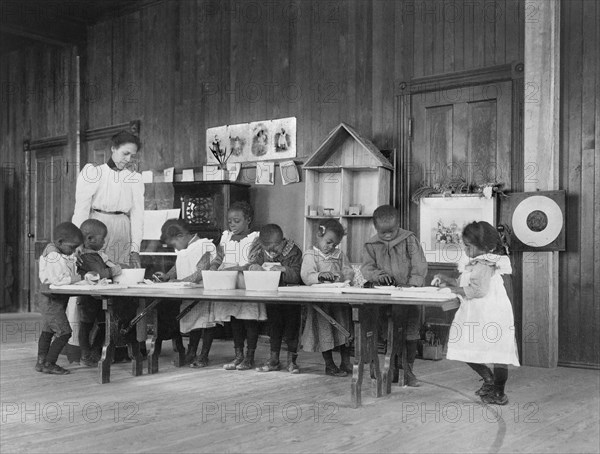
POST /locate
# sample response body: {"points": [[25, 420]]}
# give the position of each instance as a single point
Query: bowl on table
{"points": [[262, 280], [219, 280], [130, 276]]}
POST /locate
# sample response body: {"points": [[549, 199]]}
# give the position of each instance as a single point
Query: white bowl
{"points": [[262, 280], [219, 280], [130, 276]]}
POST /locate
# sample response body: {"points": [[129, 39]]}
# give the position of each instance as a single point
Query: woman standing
{"points": [[114, 194]]}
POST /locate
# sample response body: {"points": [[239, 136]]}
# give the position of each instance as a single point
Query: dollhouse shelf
{"points": [[346, 170]]}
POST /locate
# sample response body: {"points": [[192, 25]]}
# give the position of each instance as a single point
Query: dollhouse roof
{"points": [[347, 148]]}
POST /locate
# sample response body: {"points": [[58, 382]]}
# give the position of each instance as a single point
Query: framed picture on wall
{"points": [[442, 220]]}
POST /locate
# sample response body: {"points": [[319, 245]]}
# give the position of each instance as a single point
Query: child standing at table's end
{"points": [[484, 303], [324, 262], [57, 267], [395, 257]]}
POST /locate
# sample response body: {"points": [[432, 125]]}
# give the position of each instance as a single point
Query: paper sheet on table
{"points": [[154, 220], [309, 289], [166, 285], [88, 287]]}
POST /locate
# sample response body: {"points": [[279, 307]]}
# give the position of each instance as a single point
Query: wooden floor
{"points": [[213, 410]]}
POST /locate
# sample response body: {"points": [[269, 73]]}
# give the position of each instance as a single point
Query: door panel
{"points": [[52, 190], [461, 133]]}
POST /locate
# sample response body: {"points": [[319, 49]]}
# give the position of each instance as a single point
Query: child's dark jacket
{"points": [[402, 258], [290, 258]]}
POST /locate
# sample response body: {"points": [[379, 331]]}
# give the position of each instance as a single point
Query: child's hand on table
{"points": [[159, 276], [277, 268], [255, 267], [386, 279], [441, 280], [115, 270], [327, 276], [91, 277]]}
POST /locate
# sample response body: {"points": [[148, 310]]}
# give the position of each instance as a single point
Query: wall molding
{"points": [[47, 142], [107, 132], [499, 73]]}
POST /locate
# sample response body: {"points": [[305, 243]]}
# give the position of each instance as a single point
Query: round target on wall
{"points": [[536, 220]]}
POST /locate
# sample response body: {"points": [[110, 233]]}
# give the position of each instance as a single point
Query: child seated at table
{"points": [[233, 253], [324, 262], [58, 267], [283, 319], [193, 255], [394, 257], [92, 259]]}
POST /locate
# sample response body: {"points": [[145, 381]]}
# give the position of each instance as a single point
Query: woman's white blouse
{"points": [[100, 187]]}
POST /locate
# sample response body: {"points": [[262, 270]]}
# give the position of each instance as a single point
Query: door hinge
{"points": [[410, 128]]}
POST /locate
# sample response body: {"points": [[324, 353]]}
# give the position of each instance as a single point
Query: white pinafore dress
{"points": [[202, 314], [483, 329], [238, 253]]}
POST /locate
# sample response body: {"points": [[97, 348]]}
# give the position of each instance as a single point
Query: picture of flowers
{"points": [[442, 220]]}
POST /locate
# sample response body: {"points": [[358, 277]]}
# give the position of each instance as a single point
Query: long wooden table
{"points": [[365, 310]]}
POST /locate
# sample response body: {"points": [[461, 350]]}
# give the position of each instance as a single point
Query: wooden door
{"points": [[451, 131], [461, 133], [52, 192], [9, 239]]}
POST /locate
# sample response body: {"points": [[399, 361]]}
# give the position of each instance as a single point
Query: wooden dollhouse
{"points": [[346, 178]]}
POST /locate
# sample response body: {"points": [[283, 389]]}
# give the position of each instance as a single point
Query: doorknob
{"points": [[30, 235]]}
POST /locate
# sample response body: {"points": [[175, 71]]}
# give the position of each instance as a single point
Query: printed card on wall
{"points": [[238, 143], [284, 138], [169, 174], [289, 172], [265, 173], [233, 170], [217, 147], [260, 140]]}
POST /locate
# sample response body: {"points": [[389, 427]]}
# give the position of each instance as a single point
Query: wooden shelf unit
{"points": [[346, 170]]}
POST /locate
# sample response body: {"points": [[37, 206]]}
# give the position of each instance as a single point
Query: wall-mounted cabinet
{"points": [[346, 178]]}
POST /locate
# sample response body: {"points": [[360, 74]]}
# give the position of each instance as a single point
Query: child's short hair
{"points": [[483, 235], [331, 225], [172, 228], [93, 227], [269, 231], [124, 137], [386, 214], [67, 231], [244, 207]]}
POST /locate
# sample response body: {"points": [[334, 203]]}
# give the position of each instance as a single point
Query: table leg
{"points": [[137, 361], [358, 367], [372, 354], [177, 340], [108, 348], [390, 364], [403, 324], [133, 348], [153, 352], [179, 360]]}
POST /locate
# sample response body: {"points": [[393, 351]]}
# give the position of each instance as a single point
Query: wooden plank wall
{"points": [[182, 67], [34, 89], [579, 267]]}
